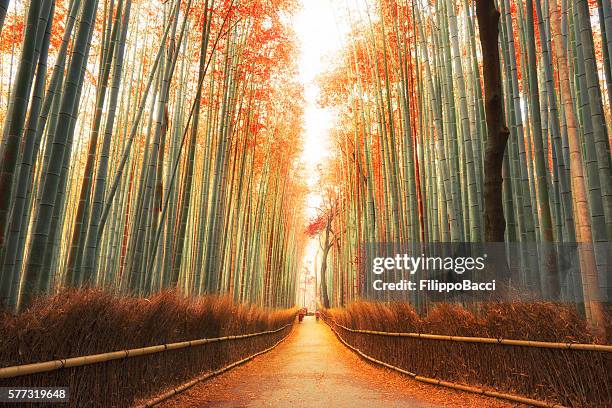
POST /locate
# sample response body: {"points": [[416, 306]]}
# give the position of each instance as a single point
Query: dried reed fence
{"points": [[568, 376], [88, 322]]}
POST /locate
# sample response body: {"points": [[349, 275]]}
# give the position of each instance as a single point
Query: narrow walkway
{"points": [[312, 369]]}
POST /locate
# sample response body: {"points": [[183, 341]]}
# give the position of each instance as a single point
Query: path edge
{"points": [[184, 387]]}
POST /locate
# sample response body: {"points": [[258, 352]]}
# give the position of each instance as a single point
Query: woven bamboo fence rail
{"points": [[485, 340], [434, 381], [35, 368]]}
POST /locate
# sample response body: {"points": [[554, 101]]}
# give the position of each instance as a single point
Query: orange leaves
{"points": [[271, 45], [12, 32], [316, 225]]}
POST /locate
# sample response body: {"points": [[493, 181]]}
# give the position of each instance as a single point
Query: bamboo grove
{"points": [[148, 146], [411, 128]]}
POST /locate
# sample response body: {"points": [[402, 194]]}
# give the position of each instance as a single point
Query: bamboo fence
{"points": [[434, 381], [35, 368], [174, 391], [486, 340]]}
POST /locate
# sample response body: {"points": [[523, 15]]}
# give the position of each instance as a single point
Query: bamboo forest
{"points": [[173, 170]]}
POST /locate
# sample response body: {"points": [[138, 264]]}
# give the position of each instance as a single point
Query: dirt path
{"points": [[311, 368]]}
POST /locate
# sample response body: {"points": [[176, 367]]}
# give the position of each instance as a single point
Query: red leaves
{"points": [[316, 226]]}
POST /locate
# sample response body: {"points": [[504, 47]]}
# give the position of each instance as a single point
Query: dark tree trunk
{"points": [[497, 138]]}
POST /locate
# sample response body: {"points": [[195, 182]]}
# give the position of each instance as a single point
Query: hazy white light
{"points": [[320, 34], [321, 27]]}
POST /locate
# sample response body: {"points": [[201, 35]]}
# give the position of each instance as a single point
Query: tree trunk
{"points": [[497, 139], [188, 184], [10, 266], [82, 212], [63, 137], [588, 264], [326, 249], [91, 244], [15, 119]]}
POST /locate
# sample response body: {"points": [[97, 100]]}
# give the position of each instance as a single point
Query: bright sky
{"points": [[320, 37], [320, 31]]}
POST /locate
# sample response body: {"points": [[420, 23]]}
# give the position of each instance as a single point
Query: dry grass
{"points": [[573, 378], [75, 323]]}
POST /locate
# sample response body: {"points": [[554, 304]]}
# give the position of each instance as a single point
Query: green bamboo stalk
{"points": [[63, 134]]}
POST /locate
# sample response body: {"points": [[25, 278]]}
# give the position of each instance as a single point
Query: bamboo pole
{"points": [[486, 340], [43, 367], [448, 384], [175, 391]]}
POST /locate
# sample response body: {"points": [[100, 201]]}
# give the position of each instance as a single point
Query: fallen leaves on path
{"points": [[311, 368]]}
